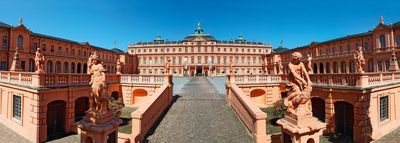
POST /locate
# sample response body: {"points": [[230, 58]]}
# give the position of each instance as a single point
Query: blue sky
{"points": [[297, 23]]}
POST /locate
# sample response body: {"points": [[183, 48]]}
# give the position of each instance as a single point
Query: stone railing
{"points": [[35, 80], [251, 116], [148, 113], [363, 80], [142, 79], [255, 79], [20, 78]]}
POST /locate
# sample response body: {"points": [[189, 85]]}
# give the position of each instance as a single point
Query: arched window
{"points": [[20, 41], [78, 68], [382, 40], [315, 68], [335, 67], [65, 67], [58, 67], [31, 66], [321, 68], [328, 67], [49, 66], [343, 67], [352, 66], [72, 67]]}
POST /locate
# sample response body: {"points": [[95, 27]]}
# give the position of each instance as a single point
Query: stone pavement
{"points": [[9, 136], [393, 137], [199, 114]]}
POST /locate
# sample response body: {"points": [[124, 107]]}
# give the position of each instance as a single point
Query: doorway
{"points": [[56, 111], [199, 71]]}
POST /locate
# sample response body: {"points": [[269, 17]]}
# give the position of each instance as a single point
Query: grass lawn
{"points": [[126, 126], [272, 127]]}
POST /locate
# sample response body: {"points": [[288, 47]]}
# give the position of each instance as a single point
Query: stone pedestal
{"points": [[99, 128], [301, 127]]}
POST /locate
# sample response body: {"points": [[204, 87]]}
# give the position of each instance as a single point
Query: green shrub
{"points": [[279, 109], [116, 106]]}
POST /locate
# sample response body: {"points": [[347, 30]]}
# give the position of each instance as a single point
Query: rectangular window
{"points": [[383, 107], [59, 50], [387, 65], [66, 51], [5, 41], [52, 48], [3, 65], [73, 52], [23, 65], [366, 46], [340, 49], [186, 49], [43, 47], [348, 48], [35, 46], [17, 107]]}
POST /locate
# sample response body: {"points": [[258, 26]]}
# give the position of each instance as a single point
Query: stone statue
{"points": [[359, 58], [16, 64], [280, 67], [39, 61], [98, 95], [309, 64], [231, 68], [299, 86], [119, 68], [167, 66]]}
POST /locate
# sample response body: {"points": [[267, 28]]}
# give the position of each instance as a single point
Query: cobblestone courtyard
{"points": [[200, 114]]}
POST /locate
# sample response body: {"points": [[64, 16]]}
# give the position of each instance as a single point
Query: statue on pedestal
{"points": [[298, 123], [39, 61], [119, 68], [299, 86], [16, 64], [280, 67], [231, 68], [98, 96], [359, 58], [309, 64], [99, 124], [167, 66]]}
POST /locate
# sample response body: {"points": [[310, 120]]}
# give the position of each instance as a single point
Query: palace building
{"points": [[361, 105], [200, 54]]}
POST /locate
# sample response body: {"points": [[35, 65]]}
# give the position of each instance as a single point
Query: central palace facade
{"points": [[201, 54]]}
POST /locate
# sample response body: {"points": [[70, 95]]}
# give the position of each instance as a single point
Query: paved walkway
{"points": [[9, 136], [392, 137], [200, 114]]}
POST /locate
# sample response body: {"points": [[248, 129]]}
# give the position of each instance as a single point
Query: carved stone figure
{"points": [[119, 68], [98, 96], [231, 68], [167, 66], [359, 58], [299, 86], [280, 67], [309, 64], [16, 64], [39, 61]]}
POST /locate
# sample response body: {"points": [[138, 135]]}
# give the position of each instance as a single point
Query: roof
{"points": [[4, 25], [203, 36], [64, 40], [348, 36]]}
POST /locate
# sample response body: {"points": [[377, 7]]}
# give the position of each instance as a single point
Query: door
{"points": [[55, 119], [344, 118]]}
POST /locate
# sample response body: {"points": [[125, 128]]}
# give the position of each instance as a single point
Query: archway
{"points": [[84, 68], [318, 108], [258, 96], [315, 68], [139, 96], [58, 67], [78, 68], [344, 118], [81, 106], [321, 68], [56, 111]]}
